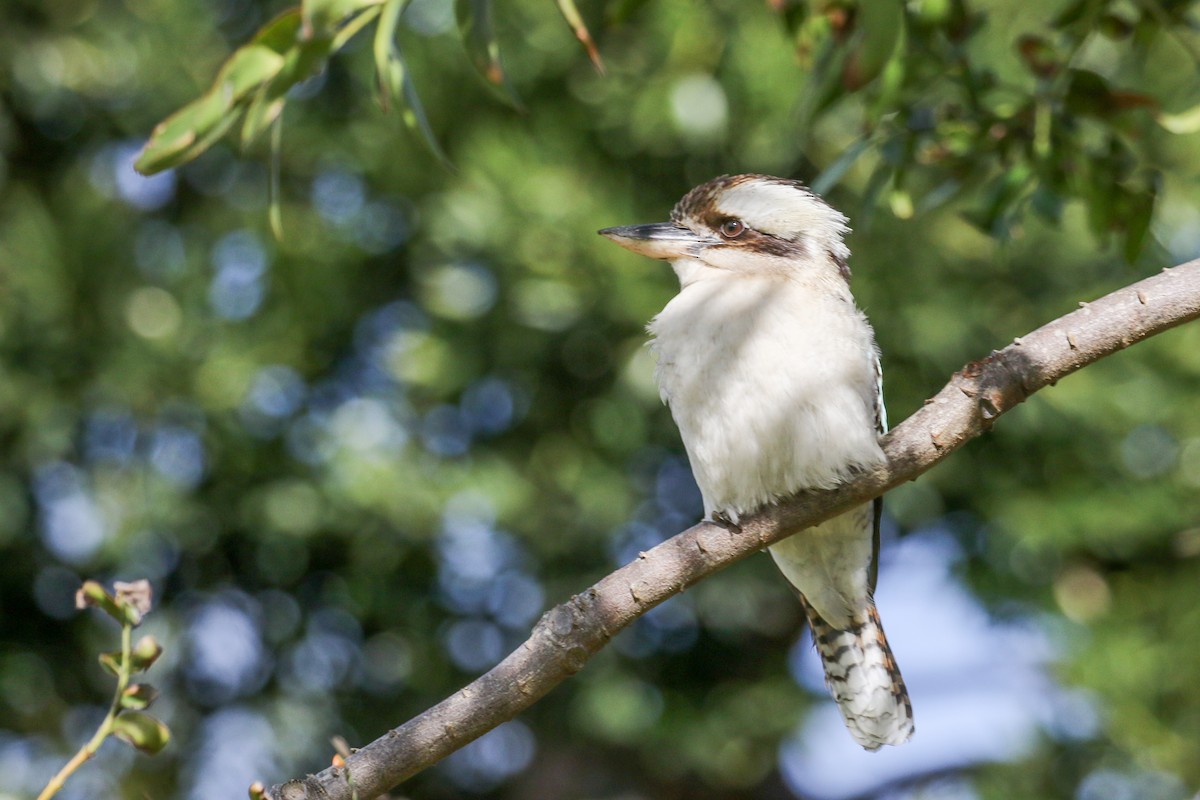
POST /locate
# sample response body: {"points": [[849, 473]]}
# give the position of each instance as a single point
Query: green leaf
{"points": [[192, 129], [395, 82], [483, 48], [281, 32], [254, 81], [141, 731], [415, 119], [264, 107], [389, 66], [880, 31], [138, 696], [186, 134], [321, 17], [302, 62], [823, 87], [571, 15], [1183, 123], [347, 31], [248, 68]]}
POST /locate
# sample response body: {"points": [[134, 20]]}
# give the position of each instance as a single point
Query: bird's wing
{"points": [[880, 411], [881, 426]]}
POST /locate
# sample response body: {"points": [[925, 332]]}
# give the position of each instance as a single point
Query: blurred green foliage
{"points": [[358, 460]]}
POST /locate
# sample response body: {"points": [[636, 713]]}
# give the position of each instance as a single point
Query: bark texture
{"points": [[570, 633]]}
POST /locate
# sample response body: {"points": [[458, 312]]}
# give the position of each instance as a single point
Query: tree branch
{"points": [[570, 633]]}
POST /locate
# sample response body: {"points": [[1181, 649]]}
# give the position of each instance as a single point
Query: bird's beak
{"points": [[664, 240]]}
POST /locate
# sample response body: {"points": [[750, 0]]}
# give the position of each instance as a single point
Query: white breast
{"points": [[771, 383]]}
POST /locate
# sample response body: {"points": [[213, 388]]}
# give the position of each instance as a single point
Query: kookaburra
{"points": [[772, 375]]}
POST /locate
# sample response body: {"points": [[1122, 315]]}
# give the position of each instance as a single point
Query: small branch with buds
{"points": [[570, 633], [128, 604]]}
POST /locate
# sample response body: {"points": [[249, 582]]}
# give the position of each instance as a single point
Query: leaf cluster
{"points": [[1029, 143]]}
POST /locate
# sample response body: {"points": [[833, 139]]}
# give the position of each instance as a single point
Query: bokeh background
{"points": [[357, 462]]}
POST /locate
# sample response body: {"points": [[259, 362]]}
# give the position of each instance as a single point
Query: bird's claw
{"points": [[723, 519]]}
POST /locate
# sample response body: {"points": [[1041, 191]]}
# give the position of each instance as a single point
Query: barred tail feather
{"points": [[863, 677]]}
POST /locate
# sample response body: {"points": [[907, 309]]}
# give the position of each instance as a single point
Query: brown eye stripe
{"points": [[751, 239], [771, 245]]}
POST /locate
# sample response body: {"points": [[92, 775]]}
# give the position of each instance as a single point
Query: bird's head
{"points": [[745, 224]]}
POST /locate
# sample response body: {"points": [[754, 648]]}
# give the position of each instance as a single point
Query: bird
{"points": [[773, 377]]}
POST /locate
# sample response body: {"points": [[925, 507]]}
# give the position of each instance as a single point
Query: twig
{"points": [[106, 725]]}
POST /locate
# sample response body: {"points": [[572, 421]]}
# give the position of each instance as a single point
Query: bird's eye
{"points": [[732, 228]]}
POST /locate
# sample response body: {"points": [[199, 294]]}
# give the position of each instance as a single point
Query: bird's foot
{"points": [[725, 521]]}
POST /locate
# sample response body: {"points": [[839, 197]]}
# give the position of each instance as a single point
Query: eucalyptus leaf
{"points": [[322, 17], [477, 29], [389, 66], [571, 15], [185, 134], [415, 119], [880, 30], [248, 68], [395, 82], [1183, 123]]}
